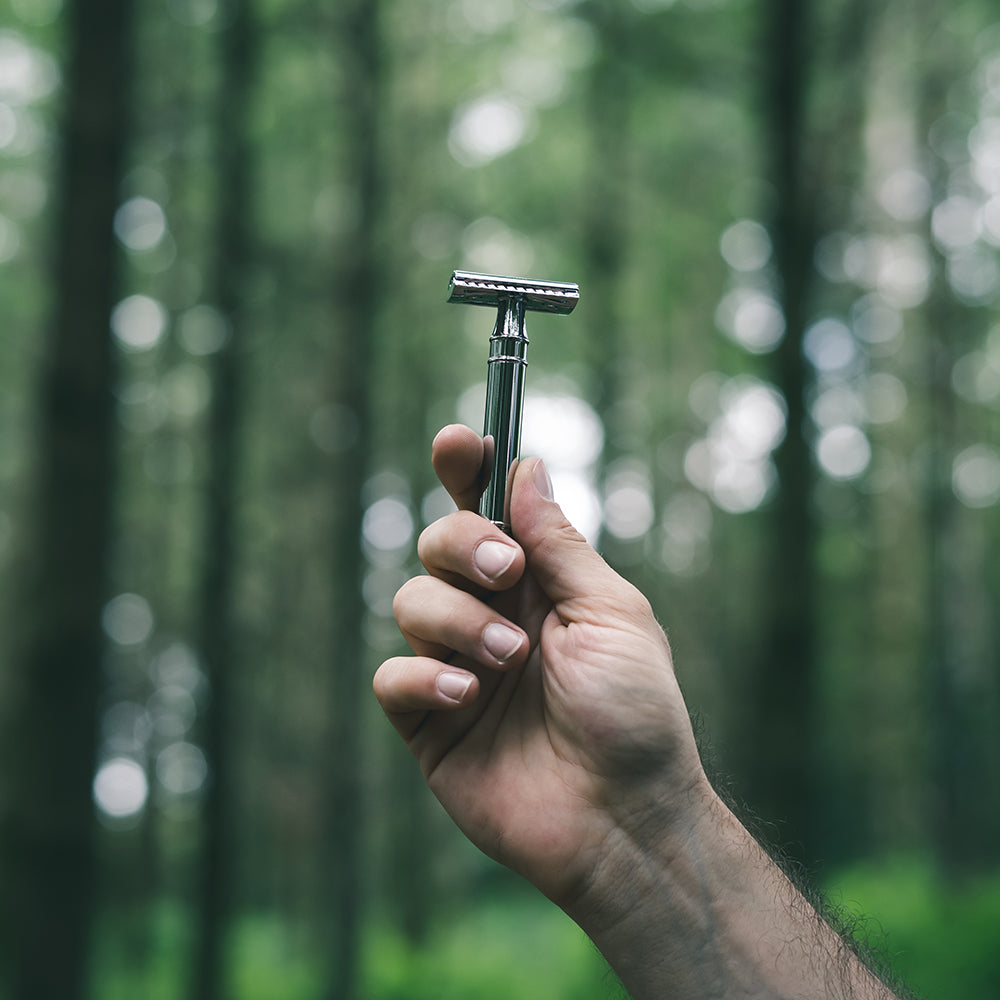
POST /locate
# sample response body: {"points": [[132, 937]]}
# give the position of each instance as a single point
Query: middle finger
{"points": [[438, 620]]}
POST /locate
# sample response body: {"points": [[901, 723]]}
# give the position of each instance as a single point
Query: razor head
{"points": [[491, 290]]}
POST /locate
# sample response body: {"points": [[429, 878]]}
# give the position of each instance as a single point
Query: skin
{"points": [[541, 704]]}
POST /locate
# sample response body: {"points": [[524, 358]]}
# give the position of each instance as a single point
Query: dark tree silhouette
{"points": [[49, 894], [356, 307], [232, 258]]}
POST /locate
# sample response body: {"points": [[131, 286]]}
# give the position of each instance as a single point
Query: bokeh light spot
{"points": [[387, 525], [955, 222], [26, 74], [138, 322], [485, 129], [752, 318], [181, 768], [843, 451], [974, 275], [140, 224], [875, 321], [563, 428], [837, 405], [177, 665], [745, 245], [120, 788], [829, 345], [628, 501], [905, 194], [732, 463], [127, 619], [975, 476]]}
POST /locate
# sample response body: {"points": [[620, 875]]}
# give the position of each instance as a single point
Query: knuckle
{"points": [[433, 540], [425, 542], [447, 544], [410, 595], [382, 681]]}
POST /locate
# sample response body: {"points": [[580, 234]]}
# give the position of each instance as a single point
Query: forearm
{"points": [[709, 914]]}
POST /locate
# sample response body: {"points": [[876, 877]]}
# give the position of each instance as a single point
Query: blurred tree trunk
{"points": [[357, 307], [781, 690], [955, 766], [605, 220], [238, 46], [958, 770], [49, 892], [809, 160]]}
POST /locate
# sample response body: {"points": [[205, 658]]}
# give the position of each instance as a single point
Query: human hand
{"points": [[540, 700], [569, 756]]}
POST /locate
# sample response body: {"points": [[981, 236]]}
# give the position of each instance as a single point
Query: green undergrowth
{"points": [[942, 941], [496, 952], [501, 948]]}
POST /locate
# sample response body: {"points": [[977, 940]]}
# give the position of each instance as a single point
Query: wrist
{"points": [[647, 904], [700, 910]]}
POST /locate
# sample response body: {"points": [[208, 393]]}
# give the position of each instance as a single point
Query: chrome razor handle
{"points": [[505, 373], [506, 368]]}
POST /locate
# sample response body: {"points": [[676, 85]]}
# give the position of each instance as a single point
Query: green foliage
{"points": [[506, 947], [269, 964], [142, 953], [940, 939], [502, 949]]}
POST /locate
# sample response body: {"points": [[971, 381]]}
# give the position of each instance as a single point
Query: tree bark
{"points": [[808, 160], [217, 629], [781, 693], [53, 725], [605, 223], [357, 288]]}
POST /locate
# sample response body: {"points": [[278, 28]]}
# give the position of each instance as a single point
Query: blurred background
{"points": [[226, 233]]}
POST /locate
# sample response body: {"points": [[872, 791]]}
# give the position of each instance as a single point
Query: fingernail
{"points": [[501, 641], [454, 686], [542, 481], [493, 558]]}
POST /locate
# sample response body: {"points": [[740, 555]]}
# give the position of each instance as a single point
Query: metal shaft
{"points": [[504, 408]]}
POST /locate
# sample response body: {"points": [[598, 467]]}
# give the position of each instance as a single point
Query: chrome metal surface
{"points": [[506, 367], [490, 289]]}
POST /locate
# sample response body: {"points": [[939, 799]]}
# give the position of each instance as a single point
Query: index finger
{"points": [[457, 455]]}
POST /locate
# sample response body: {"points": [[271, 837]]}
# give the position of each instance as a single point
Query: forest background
{"points": [[226, 232]]}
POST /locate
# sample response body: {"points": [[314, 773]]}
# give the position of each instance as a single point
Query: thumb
{"points": [[563, 562]]}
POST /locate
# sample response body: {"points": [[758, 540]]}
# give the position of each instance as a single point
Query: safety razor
{"points": [[506, 366]]}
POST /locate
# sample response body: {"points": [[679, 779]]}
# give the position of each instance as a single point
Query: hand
{"points": [[542, 706], [540, 700]]}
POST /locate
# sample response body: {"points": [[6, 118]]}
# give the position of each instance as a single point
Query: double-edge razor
{"points": [[506, 366]]}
